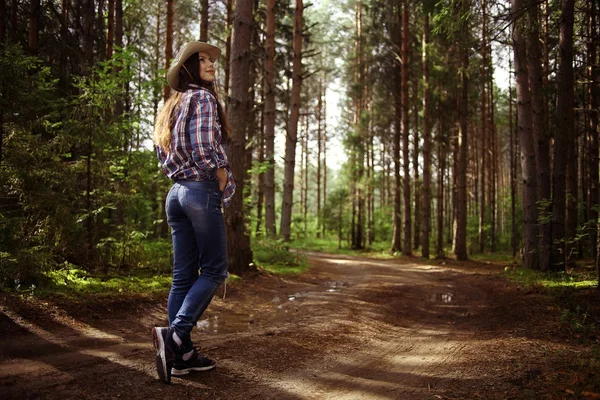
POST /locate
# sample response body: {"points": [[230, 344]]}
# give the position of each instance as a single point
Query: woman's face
{"points": [[207, 68]]}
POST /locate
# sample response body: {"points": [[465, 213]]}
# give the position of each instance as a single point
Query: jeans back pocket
{"points": [[197, 200]]}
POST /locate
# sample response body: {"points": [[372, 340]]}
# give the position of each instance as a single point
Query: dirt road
{"points": [[350, 328]]}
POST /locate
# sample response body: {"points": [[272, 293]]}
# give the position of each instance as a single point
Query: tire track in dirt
{"points": [[398, 359], [350, 328]]}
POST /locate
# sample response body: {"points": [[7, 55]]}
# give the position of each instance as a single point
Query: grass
{"points": [[377, 250], [576, 280], [73, 282], [575, 294], [275, 257]]}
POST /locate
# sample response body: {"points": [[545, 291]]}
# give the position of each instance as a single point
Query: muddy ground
{"points": [[349, 328]]}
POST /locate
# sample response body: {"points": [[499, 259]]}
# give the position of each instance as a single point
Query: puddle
{"points": [[335, 286], [446, 298], [226, 323]]}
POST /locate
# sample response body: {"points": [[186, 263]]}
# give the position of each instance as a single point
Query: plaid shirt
{"points": [[197, 147]]}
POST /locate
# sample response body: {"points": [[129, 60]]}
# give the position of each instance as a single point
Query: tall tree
{"points": [[110, 32], [397, 88], [594, 194], [426, 209], [34, 18], [406, 215], [565, 127], [292, 134], [528, 166], [483, 131], [228, 17], [238, 241], [269, 113], [460, 219], [3, 18], [168, 43], [536, 87], [204, 20]]}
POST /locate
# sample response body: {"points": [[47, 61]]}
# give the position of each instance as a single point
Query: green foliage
{"points": [[276, 257], [71, 281]]}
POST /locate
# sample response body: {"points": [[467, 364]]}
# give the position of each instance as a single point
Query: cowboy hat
{"points": [[182, 56]]}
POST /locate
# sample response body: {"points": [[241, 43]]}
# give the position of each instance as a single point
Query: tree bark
{"points": [[238, 241], [406, 215], [87, 25], [441, 153], [34, 18], [426, 210], [594, 194], [229, 13], [204, 21], [169, 44], [540, 135], [416, 181], [397, 227], [110, 33], [513, 167], [565, 127], [460, 220], [12, 32], [483, 121], [269, 112], [319, 153], [3, 18], [528, 166], [292, 136]]}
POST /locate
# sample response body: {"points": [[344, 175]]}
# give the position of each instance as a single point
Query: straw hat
{"points": [[182, 56]]}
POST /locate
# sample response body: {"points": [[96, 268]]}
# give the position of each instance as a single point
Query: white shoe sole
{"points": [[180, 372]]}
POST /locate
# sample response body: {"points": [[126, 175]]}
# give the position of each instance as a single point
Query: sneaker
{"points": [[166, 350], [195, 363]]}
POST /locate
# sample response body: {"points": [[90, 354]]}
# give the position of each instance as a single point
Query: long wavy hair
{"points": [[189, 78]]}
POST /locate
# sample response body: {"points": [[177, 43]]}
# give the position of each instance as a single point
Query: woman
{"points": [[190, 134]]}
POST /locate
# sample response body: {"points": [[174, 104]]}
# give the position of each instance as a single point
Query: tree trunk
{"points": [[565, 127], [324, 147], [238, 242], [87, 25], [513, 167], [441, 153], [204, 21], [3, 18], [358, 237], [416, 181], [406, 215], [261, 176], [14, 20], [483, 121], [100, 31], [594, 194], [540, 135], [460, 220], [169, 45], [269, 112], [528, 166], [110, 33], [291, 138], [426, 210], [319, 155], [229, 13], [495, 170], [34, 18]]}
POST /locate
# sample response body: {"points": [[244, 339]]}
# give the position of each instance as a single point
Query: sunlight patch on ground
{"points": [[86, 331]]}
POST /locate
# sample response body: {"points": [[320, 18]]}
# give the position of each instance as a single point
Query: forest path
{"points": [[349, 328]]}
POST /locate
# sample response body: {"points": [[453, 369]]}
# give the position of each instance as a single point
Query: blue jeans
{"points": [[200, 251]]}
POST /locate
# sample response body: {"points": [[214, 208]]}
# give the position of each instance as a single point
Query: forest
{"points": [[416, 212], [438, 128]]}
